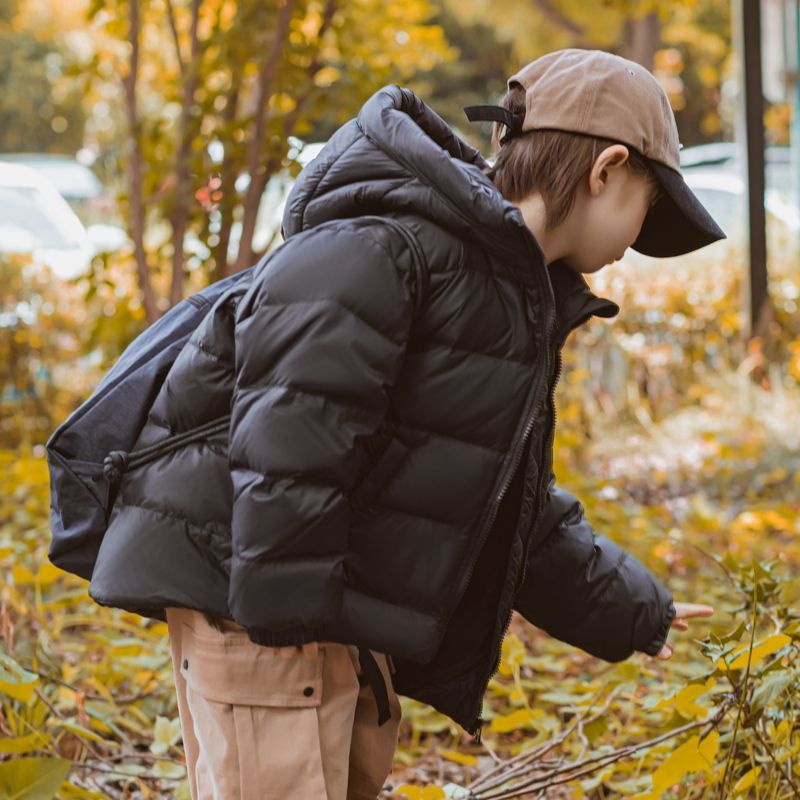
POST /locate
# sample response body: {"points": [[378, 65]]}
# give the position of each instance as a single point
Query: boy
{"points": [[383, 498]]}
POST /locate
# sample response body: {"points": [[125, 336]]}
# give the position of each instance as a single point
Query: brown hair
{"points": [[550, 161]]}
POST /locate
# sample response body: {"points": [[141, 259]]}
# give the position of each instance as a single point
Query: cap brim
{"points": [[678, 223]]}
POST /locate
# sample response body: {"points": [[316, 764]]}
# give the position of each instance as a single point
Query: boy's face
{"points": [[609, 210]]}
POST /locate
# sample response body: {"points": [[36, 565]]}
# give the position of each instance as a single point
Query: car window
{"points": [[26, 224], [725, 207]]}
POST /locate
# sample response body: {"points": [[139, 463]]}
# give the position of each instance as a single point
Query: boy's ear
{"points": [[614, 155]]}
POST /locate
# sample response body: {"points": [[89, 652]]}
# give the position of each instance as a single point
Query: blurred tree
{"points": [[211, 91], [685, 43], [477, 72], [44, 371], [34, 117]]}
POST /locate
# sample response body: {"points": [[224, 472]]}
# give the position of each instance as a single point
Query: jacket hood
{"points": [[398, 154]]}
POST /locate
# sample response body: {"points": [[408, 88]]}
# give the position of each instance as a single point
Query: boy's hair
{"points": [[550, 161]]}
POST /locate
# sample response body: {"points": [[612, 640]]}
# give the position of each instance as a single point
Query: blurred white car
{"points": [[724, 195], [722, 189], [36, 220], [75, 181]]}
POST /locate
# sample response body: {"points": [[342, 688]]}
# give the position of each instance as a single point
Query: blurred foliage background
{"points": [[675, 430]]}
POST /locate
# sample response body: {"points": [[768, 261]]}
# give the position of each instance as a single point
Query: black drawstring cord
{"points": [[118, 461], [375, 678]]}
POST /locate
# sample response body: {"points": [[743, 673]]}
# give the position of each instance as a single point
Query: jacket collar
{"points": [[575, 301]]}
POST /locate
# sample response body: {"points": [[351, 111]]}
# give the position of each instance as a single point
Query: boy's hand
{"points": [[684, 612]]}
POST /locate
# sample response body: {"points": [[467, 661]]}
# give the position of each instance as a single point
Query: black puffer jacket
{"points": [[358, 440]]}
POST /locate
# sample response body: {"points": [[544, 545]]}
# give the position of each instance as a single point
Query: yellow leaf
{"points": [[747, 780], [459, 758], [48, 573], [100, 725], [22, 575], [516, 696], [409, 791], [513, 651], [78, 729], [684, 700], [761, 650], [511, 722], [691, 756], [15, 681], [165, 733], [24, 744], [326, 76]]}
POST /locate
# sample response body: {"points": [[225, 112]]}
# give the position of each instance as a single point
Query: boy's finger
{"points": [[688, 610], [680, 624], [665, 652]]}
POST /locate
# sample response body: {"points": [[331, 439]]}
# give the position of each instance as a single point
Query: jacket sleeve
{"points": [[585, 590], [319, 338]]}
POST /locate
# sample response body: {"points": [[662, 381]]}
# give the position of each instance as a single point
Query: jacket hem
{"points": [[286, 637]]}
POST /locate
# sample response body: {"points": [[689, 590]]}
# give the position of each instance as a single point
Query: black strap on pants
{"points": [[375, 678]]}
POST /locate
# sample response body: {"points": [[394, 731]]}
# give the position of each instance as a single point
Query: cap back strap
{"points": [[496, 114]]}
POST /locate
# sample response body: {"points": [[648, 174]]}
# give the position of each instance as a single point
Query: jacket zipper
{"points": [[545, 476], [475, 728]]}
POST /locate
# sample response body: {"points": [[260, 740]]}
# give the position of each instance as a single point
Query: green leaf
{"points": [[15, 681], [769, 689], [24, 744], [32, 778]]}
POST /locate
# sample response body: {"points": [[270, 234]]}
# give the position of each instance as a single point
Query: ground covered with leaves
{"points": [[679, 439]]}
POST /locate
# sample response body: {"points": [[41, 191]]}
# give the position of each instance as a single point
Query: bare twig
{"points": [[513, 766], [579, 769], [771, 753], [741, 691], [175, 37]]}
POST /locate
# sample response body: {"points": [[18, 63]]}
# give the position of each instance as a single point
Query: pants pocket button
{"points": [[308, 691]]}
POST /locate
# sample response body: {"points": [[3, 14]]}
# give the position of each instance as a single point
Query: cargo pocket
{"points": [[230, 668], [254, 711]]}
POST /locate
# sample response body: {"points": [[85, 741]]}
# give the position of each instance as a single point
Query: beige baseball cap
{"points": [[602, 94]]}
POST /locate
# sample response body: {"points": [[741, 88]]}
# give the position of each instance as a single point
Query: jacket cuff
{"points": [[653, 648]]}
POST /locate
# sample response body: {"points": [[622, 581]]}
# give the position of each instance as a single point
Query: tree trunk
{"points": [[134, 170], [183, 195], [642, 39], [258, 178]]}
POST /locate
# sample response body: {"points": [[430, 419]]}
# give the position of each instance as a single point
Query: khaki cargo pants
{"points": [[277, 723]]}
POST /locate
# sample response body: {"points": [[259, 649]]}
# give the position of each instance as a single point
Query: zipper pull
{"points": [[480, 731]]}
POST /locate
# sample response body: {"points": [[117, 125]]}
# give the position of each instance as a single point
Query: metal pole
{"points": [[794, 75], [749, 43]]}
